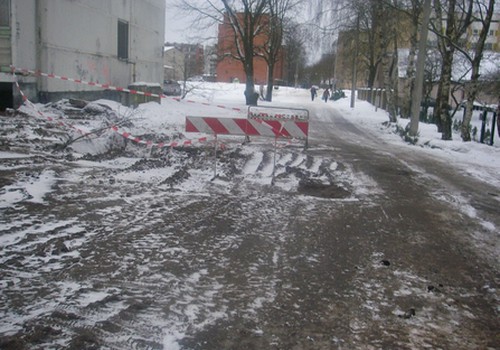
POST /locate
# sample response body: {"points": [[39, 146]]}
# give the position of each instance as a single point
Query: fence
{"points": [[377, 97]]}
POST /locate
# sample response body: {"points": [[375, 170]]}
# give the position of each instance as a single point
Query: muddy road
{"points": [[357, 244]]}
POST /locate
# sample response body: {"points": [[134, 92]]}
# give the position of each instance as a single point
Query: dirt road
{"points": [[357, 245]]}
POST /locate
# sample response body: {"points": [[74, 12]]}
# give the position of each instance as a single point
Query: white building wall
{"points": [[23, 38], [78, 39]]}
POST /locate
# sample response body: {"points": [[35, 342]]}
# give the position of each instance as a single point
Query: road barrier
{"points": [[261, 121]]}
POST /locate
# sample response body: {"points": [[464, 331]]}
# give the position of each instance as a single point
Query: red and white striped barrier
{"points": [[230, 126], [277, 113], [247, 127], [291, 122]]}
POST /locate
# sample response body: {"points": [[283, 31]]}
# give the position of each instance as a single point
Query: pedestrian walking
{"points": [[314, 92], [326, 94]]}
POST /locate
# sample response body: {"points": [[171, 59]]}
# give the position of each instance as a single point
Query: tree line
{"points": [[378, 28], [375, 29]]}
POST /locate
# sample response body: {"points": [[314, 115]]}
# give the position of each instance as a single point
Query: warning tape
{"points": [[115, 128], [40, 113], [171, 144], [38, 73]]}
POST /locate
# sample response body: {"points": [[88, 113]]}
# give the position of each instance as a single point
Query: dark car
{"points": [[171, 88]]}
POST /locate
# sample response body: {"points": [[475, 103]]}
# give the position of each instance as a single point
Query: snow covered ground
{"points": [[113, 192], [220, 99]]}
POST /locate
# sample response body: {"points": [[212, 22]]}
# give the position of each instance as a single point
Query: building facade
{"points": [[112, 42], [230, 69], [174, 63], [194, 60]]}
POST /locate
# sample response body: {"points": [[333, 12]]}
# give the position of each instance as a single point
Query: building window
{"points": [[122, 40], [4, 13]]}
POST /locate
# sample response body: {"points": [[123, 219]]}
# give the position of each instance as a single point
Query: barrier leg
{"points": [[215, 158], [274, 161], [493, 122]]}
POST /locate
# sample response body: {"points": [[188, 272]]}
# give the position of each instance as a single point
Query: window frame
{"points": [[123, 34]]}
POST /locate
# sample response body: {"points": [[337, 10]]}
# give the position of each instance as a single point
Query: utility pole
{"points": [[419, 79]]}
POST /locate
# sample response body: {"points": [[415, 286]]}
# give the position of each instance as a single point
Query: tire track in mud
{"points": [[138, 260]]}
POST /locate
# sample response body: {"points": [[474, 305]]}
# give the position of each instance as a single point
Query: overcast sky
{"points": [[174, 24], [179, 28]]}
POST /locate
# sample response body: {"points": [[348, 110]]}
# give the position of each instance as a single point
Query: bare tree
{"points": [[244, 19], [275, 23], [294, 41], [412, 12], [458, 19], [485, 15], [386, 26]]}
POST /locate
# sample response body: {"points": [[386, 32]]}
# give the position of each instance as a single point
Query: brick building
{"points": [[230, 69]]}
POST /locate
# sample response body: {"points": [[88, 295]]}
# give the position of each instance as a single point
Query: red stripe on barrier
{"points": [[245, 126], [190, 127], [216, 126], [303, 126]]}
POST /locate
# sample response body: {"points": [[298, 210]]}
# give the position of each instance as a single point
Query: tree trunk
{"points": [[435, 113], [250, 94], [443, 108], [390, 76], [409, 82], [471, 94], [270, 82]]}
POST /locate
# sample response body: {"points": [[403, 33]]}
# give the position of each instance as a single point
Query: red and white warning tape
{"points": [[111, 87], [172, 144], [40, 113], [124, 134]]}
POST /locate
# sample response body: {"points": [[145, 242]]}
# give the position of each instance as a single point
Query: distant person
{"points": [[314, 92], [326, 94]]}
